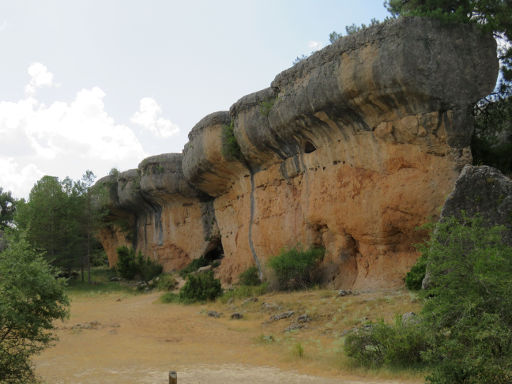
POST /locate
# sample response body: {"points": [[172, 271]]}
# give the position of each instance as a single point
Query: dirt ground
{"points": [[121, 338]]}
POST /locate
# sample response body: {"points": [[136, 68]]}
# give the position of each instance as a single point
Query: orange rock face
{"points": [[351, 149]]}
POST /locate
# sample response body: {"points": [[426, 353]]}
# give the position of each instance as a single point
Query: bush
{"points": [[468, 305], [166, 282], [378, 344], [31, 298], [170, 297], [194, 266], [295, 268], [130, 266], [415, 276], [200, 287], [250, 277], [147, 268], [126, 266], [230, 148]]}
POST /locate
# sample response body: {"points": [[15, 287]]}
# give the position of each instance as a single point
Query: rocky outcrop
{"points": [[156, 211], [351, 149], [482, 191]]}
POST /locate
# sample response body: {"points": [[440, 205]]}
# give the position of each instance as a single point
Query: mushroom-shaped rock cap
{"points": [[211, 162], [104, 193], [407, 66], [128, 191], [162, 177]]}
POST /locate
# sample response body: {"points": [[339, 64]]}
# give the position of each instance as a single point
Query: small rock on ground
{"points": [[214, 314]]}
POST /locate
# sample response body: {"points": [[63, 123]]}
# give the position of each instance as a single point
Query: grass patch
{"points": [[100, 284], [298, 350], [244, 291], [170, 297]]}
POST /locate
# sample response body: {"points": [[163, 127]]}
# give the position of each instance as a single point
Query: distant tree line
{"points": [[59, 220]]}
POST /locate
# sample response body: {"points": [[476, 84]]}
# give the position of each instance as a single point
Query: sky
{"points": [[102, 84]]}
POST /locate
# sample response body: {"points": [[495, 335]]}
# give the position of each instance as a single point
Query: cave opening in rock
{"points": [[309, 147], [214, 251]]}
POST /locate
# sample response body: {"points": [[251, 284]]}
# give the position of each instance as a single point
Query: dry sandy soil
{"points": [[122, 338]]}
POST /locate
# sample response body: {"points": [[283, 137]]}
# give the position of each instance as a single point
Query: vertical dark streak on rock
{"points": [[251, 219]]}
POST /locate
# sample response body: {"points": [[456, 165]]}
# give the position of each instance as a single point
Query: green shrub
{"points": [[378, 344], [166, 282], [415, 276], [230, 148], [130, 266], [147, 268], [194, 266], [126, 264], [295, 268], [200, 287], [267, 105], [250, 277], [468, 304], [170, 297]]}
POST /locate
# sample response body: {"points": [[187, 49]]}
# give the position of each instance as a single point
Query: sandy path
{"points": [[134, 339]]}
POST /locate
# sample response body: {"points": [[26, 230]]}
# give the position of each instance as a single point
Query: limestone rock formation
{"points": [[484, 191], [155, 210], [351, 149]]}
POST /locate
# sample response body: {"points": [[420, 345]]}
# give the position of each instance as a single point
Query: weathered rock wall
{"points": [[350, 149], [156, 211]]}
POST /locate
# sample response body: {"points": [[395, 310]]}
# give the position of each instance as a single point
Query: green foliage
{"points": [[465, 333], [298, 350], [250, 277], [334, 36], [100, 284], [295, 268], [230, 148], [58, 219], [126, 265], [200, 287], [376, 344], [298, 59], [468, 305], [130, 265], [194, 266], [7, 209], [244, 291], [491, 143], [148, 268], [114, 172], [351, 29], [166, 282], [30, 300], [169, 297], [267, 105], [490, 15], [415, 276]]}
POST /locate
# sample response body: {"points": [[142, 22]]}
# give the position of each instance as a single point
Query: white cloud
{"points": [[315, 45], [64, 138], [148, 117], [39, 77], [14, 177], [3, 25]]}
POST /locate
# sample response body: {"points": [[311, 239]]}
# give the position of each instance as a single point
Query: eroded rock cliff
{"points": [[351, 149]]}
